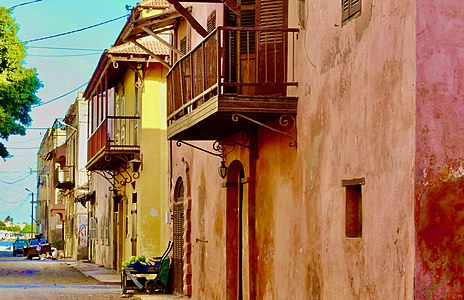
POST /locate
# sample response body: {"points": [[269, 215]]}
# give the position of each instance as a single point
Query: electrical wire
{"points": [[22, 201], [24, 3], [16, 181], [76, 30], [62, 55], [59, 97], [23, 148], [64, 48]]}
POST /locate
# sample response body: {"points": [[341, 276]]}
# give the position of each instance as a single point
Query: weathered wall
{"points": [[207, 215], [102, 250], [153, 184], [439, 155], [355, 119]]}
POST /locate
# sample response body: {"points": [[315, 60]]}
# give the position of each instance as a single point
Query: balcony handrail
{"points": [[114, 133], [241, 61], [112, 117], [193, 101], [230, 28]]}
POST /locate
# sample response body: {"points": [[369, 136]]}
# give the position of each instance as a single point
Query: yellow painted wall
{"points": [[152, 185]]}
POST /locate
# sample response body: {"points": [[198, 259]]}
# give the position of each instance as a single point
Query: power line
{"points": [[62, 55], [16, 181], [22, 148], [22, 201], [25, 3], [64, 48], [76, 30], [59, 97]]}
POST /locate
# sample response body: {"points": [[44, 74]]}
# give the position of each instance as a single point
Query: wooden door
{"points": [[178, 240]]}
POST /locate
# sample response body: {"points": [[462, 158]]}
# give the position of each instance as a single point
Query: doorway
{"points": [[178, 238], [237, 275]]}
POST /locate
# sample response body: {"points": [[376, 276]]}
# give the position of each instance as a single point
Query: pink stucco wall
{"points": [[356, 118], [439, 171]]}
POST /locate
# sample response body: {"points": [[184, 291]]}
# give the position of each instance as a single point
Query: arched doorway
{"points": [[178, 237]]}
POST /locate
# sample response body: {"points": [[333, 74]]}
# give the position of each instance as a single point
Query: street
{"points": [[49, 279]]}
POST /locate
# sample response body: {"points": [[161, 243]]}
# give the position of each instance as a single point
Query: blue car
{"points": [[18, 246]]}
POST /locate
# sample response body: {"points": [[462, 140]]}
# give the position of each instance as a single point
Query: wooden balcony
{"points": [[235, 70], [113, 143], [64, 177]]}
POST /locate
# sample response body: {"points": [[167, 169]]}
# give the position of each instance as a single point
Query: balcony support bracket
{"points": [[284, 121], [216, 147], [120, 176]]}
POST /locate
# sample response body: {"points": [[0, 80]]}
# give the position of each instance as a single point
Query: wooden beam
{"points": [[161, 40], [232, 5], [152, 54], [193, 22]]}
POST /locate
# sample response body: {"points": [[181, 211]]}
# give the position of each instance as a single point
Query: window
{"points": [[350, 8], [353, 207], [211, 22]]}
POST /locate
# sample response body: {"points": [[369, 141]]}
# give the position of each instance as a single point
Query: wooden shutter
{"points": [[211, 22], [350, 8], [271, 14]]}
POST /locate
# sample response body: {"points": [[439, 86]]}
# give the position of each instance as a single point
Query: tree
{"points": [[18, 85], [9, 219]]}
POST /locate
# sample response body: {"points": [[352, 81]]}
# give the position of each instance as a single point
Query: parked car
{"points": [[18, 246], [37, 247]]}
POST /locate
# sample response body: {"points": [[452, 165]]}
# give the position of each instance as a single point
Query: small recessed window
{"points": [[134, 197], [353, 207], [350, 8]]}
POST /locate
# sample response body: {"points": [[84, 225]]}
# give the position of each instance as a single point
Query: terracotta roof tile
{"points": [[149, 42], [157, 3]]}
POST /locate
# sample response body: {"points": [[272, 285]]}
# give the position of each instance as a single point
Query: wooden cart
{"points": [[132, 279]]}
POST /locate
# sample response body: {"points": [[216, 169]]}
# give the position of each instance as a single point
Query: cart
{"points": [[148, 278]]}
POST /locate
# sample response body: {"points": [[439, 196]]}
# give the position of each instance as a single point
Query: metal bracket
{"points": [[216, 147], [283, 121], [112, 175]]}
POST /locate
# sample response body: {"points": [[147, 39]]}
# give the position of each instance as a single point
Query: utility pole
{"points": [[32, 212]]}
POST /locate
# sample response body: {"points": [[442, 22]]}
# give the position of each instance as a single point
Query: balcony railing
{"points": [[64, 177], [233, 61], [114, 134]]}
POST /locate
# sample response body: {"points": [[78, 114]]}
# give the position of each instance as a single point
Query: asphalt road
{"points": [[48, 279]]}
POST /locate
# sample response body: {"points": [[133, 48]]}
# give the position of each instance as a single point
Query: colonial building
{"points": [[51, 158], [335, 126], [73, 180], [127, 147]]}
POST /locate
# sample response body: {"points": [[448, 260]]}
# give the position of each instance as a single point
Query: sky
{"points": [[60, 72]]}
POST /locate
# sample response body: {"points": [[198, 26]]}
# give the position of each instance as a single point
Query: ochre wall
{"points": [[439, 196]]}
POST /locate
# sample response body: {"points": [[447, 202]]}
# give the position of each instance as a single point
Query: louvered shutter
{"points": [[355, 7], [350, 8], [345, 9]]}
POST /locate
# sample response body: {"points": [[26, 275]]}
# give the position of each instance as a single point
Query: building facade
{"points": [[337, 122], [127, 149], [51, 158], [75, 181]]}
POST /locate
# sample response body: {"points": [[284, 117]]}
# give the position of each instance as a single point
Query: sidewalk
{"points": [[108, 276]]}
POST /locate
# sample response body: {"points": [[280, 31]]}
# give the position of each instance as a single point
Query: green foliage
{"points": [[18, 85], [2, 225], [27, 229], [59, 245]]}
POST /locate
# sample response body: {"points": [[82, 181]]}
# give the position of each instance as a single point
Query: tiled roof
{"points": [[149, 42], [157, 3]]}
